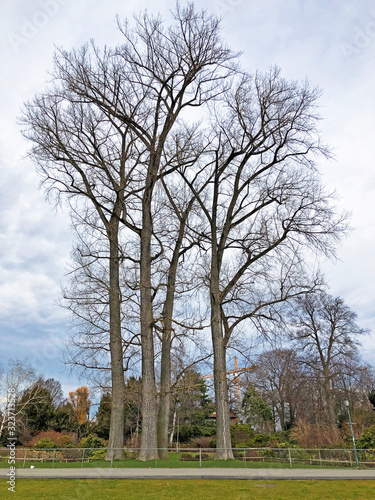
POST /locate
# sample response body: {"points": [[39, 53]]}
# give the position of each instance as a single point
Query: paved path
{"points": [[215, 473]]}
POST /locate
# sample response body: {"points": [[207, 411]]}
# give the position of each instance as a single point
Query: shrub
{"points": [[61, 440], [64, 441], [91, 441], [238, 454], [246, 444], [186, 432], [45, 443], [367, 439], [241, 434], [99, 454], [252, 454], [261, 439], [315, 435], [201, 442], [208, 430], [44, 456]]}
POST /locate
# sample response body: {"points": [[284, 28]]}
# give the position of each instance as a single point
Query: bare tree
{"points": [[143, 86], [282, 381], [263, 206], [82, 153], [16, 378], [325, 329]]}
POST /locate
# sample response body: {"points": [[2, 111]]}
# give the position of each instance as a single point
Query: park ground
{"points": [[165, 489]]}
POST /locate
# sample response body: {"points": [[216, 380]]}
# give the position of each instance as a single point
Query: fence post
{"points": [[24, 459], [83, 456], [200, 457], [320, 459], [350, 458], [112, 459], [290, 458], [53, 459]]}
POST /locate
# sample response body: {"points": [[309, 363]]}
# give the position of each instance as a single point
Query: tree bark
{"points": [[165, 369], [116, 435], [149, 408], [330, 405], [223, 439]]}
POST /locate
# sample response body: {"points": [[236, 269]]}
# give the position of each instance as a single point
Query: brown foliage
{"points": [[315, 435], [201, 442], [57, 437]]}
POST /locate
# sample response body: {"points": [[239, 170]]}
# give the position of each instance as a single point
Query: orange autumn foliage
{"points": [[79, 399]]}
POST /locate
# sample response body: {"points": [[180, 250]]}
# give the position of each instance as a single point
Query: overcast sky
{"points": [[331, 42]]}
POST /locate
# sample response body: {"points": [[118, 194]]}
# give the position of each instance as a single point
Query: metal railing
{"points": [[192, 457]]}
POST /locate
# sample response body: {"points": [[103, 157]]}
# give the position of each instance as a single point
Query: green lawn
{"points": [[160, 489], [173, 462]]}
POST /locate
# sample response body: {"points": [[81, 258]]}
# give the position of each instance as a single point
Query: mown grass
{"points": [[156, 489], [173, 462]]}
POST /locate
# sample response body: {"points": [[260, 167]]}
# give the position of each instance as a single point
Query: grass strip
{"points": [[156, 489]]}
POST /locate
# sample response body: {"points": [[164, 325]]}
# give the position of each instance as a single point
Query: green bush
{"points": [[45, 443], [186, 432], [208, 430], [99, 454], [91, 441], [261, 439], [241, 434], [367, 439]]}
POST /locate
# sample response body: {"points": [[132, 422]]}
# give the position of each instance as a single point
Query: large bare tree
{"points": [[263, 207], [140, 89], [82, 153]]}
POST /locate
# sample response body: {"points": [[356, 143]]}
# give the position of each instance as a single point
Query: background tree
{"points": [[371, 397], [325, 330], [282, 382], [103, 416], [256, 412], [37, 405], [16, 379], [79, 399]]}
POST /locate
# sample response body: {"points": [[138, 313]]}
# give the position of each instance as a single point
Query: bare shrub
{"points": [[201, 442], [315, 435]]}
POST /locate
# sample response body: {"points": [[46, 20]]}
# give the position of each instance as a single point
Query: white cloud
{"points": [[305, 38]]}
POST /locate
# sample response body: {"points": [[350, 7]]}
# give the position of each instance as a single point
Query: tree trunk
{"points": [[173, 427], [223, 439], [165, 393], [149, 411], [330, 404], [116, 434], [165, 369]]}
